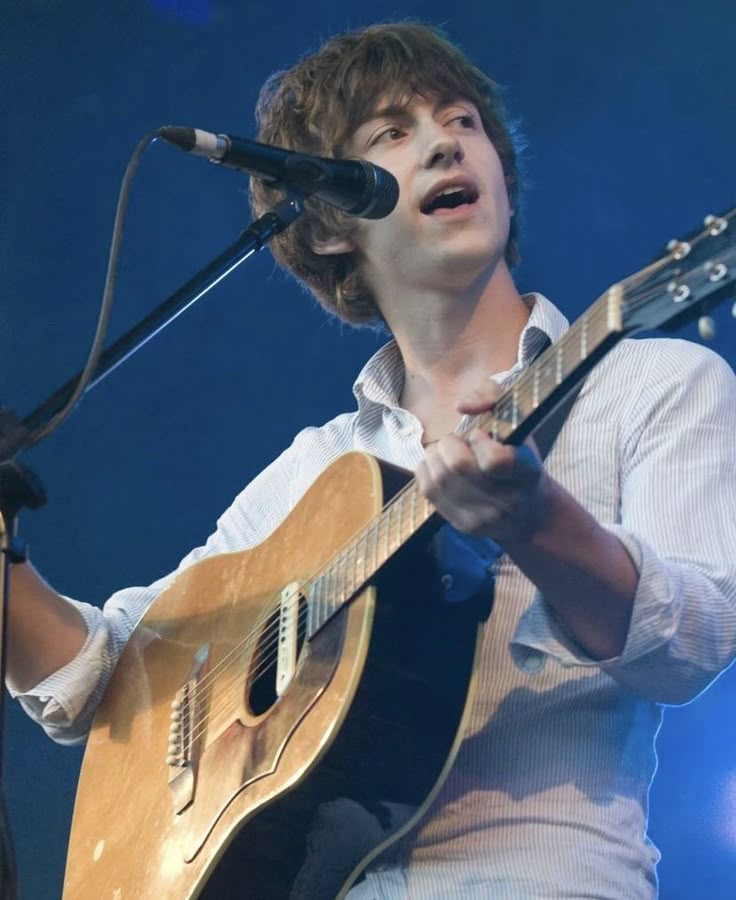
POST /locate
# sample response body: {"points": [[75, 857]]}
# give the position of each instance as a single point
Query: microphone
{"points": [[355, 186]]}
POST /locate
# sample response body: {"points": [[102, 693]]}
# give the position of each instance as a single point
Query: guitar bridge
{"points": [[185, 733]]}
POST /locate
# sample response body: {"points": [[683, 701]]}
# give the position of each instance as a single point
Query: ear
{"points": [[332, 246]]}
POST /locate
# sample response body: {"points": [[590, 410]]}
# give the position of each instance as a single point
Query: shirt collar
{"points": [[382, 377]]}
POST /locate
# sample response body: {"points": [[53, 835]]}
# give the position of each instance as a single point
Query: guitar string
{"points": [[376, 525], [598, 309], [229, 695], [728, 254], [595, 313], [229, 699], [728, 257], [268, 659], [372, 527], [384, 516], [382, 520], [652, 290], [378, 529], [381, 528]]}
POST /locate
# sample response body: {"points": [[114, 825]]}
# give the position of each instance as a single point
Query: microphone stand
{"points": [[19, 486]]}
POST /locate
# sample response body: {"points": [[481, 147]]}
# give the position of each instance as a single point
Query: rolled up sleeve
{"points": [[678, 525]]}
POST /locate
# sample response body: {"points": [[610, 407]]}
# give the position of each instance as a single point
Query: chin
{"points": [[471, 263]]}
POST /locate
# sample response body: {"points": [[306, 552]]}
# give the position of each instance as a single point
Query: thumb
{"points": [[481, 399]]}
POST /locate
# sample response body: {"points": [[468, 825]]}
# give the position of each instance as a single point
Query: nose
{"points": [[442, 149]]}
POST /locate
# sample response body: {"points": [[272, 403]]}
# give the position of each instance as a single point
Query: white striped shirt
{"points": [[548, 796]]}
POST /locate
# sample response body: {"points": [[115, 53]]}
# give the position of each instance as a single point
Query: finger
{"points": [[451, 456], [460, 498], [481, 399], [504, 462]]}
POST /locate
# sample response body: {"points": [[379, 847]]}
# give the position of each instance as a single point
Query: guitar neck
{"points": [[519, 410], [548, 380]]}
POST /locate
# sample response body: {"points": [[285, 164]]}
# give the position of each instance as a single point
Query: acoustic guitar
{"points": [[319, 683]]}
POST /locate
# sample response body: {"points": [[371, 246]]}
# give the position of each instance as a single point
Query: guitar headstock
{"points": [[697, 273]]}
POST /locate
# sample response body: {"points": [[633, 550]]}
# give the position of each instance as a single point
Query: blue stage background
{"points": [[630, 115]]}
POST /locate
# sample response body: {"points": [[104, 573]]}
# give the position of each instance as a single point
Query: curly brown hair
{"points": [[316, 106]]}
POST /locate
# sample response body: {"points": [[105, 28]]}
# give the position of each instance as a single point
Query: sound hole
{"points": [[261, 690]]}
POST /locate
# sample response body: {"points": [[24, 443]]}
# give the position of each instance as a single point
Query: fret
{"points": [[526, 401], [327, 593], [614, 308], [360, 550], [381, 539], [407, 512], [339, 582], [374, 544], [395, 537], [311, 612], [350, 564], [547, 374], [570, 352], [317, 606], [605, 324], [410, 509], [495, 429], [387, 516], [318, 598], [423, 506], [501, 428]]}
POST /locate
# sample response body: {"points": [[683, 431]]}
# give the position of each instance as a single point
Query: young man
{"points": [[615, 593]]}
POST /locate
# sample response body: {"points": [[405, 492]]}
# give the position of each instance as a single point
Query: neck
{"points": [[450, 343]]}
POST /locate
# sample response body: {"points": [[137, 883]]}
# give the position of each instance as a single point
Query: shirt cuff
{"points": [[654, 618], [56, 702]]}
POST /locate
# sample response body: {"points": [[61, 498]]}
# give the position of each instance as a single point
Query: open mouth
{"points": [[449, 198]]}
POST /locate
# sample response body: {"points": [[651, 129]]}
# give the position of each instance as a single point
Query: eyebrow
{"points": [[392, 111], [401, 110]]}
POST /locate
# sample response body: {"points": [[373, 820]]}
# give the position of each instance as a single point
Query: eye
{"points": [[392, 133], [465, 120]]}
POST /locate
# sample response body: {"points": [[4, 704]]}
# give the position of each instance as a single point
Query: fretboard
{"points": [[519, 410]]}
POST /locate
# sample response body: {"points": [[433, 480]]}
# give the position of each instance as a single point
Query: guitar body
{"points": [[271, 785]]}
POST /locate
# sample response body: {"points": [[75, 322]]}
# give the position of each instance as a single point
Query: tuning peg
{"points": [[707, 328], [733, 310], [715, 225], [679, 249]]}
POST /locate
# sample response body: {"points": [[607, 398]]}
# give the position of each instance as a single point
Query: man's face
{"points": [[451, 224]]}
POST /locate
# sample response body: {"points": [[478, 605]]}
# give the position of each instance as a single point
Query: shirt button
{"points": [[534, 662]]}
